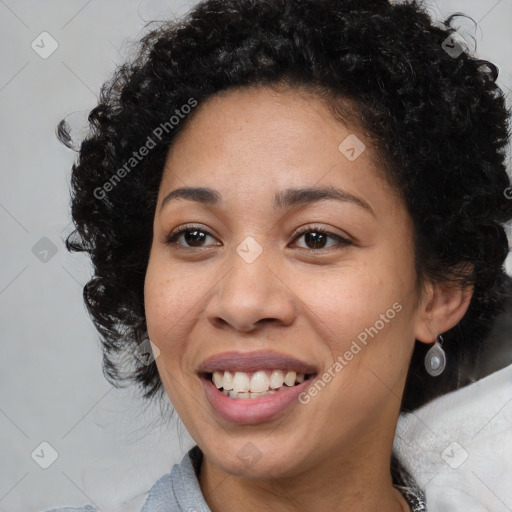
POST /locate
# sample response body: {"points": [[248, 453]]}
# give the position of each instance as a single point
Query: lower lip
{"points": [[253, 410]]}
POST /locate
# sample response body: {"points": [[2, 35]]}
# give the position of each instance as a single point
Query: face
{"points": [[262, 271]]}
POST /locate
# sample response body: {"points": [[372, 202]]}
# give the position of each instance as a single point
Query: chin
{"points": [[258, 460]]}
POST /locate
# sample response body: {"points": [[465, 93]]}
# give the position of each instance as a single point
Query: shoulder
{"points": [[176, 491], [455, 445], [85, 508], [179, 490]]}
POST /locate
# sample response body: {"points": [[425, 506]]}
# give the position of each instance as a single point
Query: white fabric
{"points": [[459, 447]]}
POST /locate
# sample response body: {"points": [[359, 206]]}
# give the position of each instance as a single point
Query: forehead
{"points": [[251, 142]]}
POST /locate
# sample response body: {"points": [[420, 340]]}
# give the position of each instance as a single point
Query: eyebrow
{"points": [[292, 197]]}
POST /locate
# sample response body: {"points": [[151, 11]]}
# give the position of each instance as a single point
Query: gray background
{"points": [[110, 447]]}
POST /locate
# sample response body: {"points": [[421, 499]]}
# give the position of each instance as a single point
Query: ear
{"points": [[442, 307]]}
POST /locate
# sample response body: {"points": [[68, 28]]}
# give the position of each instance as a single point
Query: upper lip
{"points": [[254, 361]]}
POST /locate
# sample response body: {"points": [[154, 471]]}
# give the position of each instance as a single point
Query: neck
{"points": [[344, 483]]}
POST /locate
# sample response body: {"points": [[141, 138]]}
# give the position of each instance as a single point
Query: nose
{"points": [[250, 296]]}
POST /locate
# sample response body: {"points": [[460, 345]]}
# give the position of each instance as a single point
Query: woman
{"points": [[301, 205]]}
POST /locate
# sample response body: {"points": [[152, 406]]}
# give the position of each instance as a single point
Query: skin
{"points": [[333, 453]]}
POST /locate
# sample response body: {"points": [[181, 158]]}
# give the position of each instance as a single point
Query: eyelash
{"points": [[341, 242], [174, 235]]}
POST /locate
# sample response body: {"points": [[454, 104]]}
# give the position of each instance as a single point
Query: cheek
{"points": [[170, 297], [362, 314], [346, 301]]}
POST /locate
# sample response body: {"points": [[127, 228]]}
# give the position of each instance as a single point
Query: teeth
{"points": [[241, 382], [289, 380], [228, 381], [218, 379], [234, 394], [276, 379], [260, 383]]}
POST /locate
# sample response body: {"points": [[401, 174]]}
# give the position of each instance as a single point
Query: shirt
{"points": [[179, 490]]}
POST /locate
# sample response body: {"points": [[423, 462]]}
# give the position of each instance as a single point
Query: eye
{"points": [[189, 237], [316, 238]]}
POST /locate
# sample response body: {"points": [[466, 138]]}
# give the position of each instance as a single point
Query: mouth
{"points": [[252, 385], [249, 407]]}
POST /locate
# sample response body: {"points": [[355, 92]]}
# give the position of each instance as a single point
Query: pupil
{"points": [[316, 240], [194, 237]]}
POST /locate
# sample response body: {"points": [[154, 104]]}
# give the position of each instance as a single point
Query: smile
{"points": [[248, 407], [244, 385]]}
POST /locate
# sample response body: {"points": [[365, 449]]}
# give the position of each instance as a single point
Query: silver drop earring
{"points": [[435, 359]]}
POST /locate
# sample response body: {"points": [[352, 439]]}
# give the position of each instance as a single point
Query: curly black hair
{"points": [[438, 120]]}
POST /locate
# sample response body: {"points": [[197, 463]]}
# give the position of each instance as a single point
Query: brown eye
{"points": [[189, 237], [317, 239], [194, 237]]}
